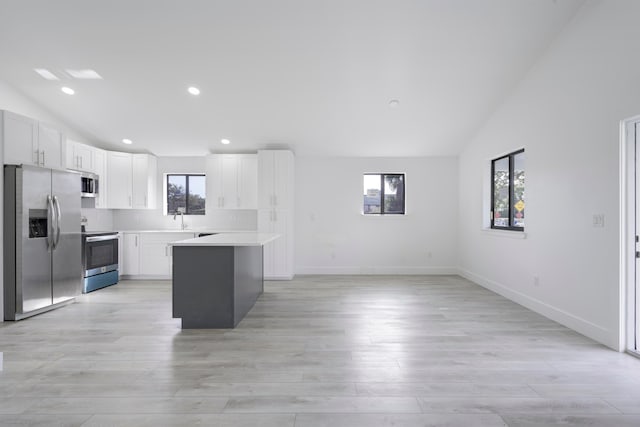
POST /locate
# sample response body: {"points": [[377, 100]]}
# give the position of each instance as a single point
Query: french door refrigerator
{"points": [[42, 262]]}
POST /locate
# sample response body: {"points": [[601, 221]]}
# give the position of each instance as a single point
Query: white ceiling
{"points": [[312, 75]]}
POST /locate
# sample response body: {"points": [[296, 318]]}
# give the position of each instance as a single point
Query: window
{"points": [[186, 192], [383, 194], [507, 192]]}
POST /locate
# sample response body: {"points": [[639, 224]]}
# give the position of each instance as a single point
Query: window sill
{"points": [[383, 215], [504, 233]]}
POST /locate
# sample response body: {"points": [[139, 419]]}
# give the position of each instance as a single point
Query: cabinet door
{"points": [[144, 181], [50, 146], [282, 179], [214, 182], [229, 181], [20, 140], [154, 254], [100, 169], [265, 225], [265, 179], [79, 156], [222, 181], [248, 181], [131, 254], [84, 155], [282, 250], [119, 180]]}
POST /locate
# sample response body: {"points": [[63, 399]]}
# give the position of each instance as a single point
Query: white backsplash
{"points": [[98, 219], [141, 219]]}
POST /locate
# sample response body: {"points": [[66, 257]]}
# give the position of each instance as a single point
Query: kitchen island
{"points": [[217, 279]]}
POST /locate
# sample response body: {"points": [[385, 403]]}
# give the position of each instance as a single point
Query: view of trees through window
{"points": [[383, 187], [187, 192], [508, 198]]}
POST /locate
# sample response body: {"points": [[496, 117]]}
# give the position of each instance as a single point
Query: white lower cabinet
{"points": [[278, 255], [130, 255], [153, 254]]}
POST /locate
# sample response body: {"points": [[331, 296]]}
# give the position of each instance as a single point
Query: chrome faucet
{"points": [[180, 211]]}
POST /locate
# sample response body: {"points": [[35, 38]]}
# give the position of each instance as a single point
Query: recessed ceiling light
{"points": [[46, 74], [225, 141], [394, 103], [67, 90], [194, 90], [127, 141], [87, 74]]}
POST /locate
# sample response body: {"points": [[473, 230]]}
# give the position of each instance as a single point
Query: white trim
{"points": [[401, 271], [504, 233], [627, 261], [578, 324]]}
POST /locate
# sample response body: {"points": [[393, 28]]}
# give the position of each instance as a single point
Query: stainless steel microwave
{"points": [[90, 184]]}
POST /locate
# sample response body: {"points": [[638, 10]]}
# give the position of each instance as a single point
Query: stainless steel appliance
{"points": [[41, 239], [99, 259], [89, 184]]}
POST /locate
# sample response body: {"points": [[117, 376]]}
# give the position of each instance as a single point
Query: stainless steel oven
{"points": [[99, 260]]}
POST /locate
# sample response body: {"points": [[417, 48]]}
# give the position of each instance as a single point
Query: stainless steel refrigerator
{"points": [[42, 259]]}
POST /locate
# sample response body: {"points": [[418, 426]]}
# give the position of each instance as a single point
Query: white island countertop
{"points": [[229, 239]]}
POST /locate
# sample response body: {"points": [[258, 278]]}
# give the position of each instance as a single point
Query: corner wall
{"points": [[566, 113], [333, 237]]}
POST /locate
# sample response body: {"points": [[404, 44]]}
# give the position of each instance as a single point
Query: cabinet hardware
{"points": [[43, 161]]}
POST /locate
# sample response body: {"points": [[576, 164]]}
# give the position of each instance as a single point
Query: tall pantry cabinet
{"points": [[275, 211]]}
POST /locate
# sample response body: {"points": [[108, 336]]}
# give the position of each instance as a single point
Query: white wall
{"points": [[333, 237], [16, 102], [154, 219], [566, 114]]}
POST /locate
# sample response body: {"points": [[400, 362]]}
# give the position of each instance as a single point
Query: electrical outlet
{"points": [[536, 281], [598, 220]]}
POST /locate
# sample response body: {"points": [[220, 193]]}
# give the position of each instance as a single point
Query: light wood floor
{"points": [[316, 351]]}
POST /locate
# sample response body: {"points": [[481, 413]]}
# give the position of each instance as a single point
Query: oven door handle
{"points": [[101, 238]]}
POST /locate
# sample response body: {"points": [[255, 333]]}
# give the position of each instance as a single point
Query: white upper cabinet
{"points": [[26, 141], [145, 171], [100, 169], [131, 180], [119, 180], [275, 177], [80, 156], [232, 181]]}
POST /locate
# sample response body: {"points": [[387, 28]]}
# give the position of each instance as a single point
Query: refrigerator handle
{"points": [[56, 202], [50, 218]]}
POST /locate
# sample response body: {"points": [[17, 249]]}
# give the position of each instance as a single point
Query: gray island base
{"points": [[217, 279]]}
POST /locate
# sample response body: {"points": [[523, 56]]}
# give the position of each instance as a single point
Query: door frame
{"points": [[628, 190]]}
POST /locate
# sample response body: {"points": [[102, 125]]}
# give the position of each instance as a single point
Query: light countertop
{"points": [[188, 230], [229, 239]]}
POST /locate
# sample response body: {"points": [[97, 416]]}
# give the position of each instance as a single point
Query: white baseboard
{"points": [[578, 324], [402, 271], [287, 277], [143, 277]]}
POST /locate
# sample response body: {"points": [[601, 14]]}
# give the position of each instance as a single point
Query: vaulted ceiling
{"points": [[316, 76]]}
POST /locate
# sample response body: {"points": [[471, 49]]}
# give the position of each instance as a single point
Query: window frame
{"points": [[511, 226], [166, 193], [382, 181]]}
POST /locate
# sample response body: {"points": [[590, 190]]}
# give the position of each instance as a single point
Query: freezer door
{"points": [[33, 258], [67, 257]]}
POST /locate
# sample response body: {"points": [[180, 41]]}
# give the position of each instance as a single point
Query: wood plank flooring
{"points": [[317, 351]]}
